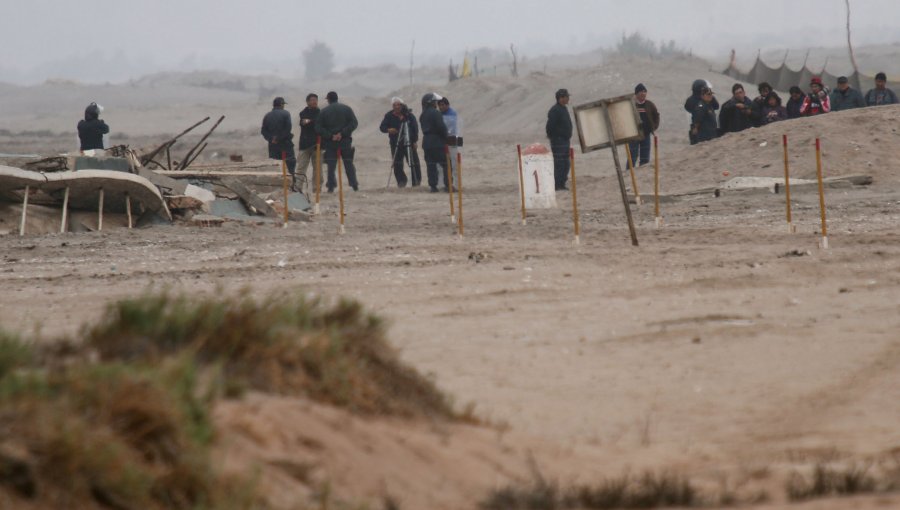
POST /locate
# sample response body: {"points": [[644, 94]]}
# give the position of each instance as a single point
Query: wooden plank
{"points": [[250, 198]]}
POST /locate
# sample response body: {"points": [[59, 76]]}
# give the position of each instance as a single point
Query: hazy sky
{"points": [[52, 38]]}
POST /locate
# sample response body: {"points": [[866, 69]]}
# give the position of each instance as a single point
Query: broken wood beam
{"points": [[187, 158], [249, 198]]}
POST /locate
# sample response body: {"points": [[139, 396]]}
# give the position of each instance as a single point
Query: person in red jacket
{"points": [[816, 101]]}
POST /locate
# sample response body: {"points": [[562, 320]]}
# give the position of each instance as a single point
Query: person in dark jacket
{"points": [[691, 103], [559, 131], [795, 102], [434, 141], [306, 149], [640, 150], [336, 124], [880, 95], [403, 135], [704, 126], [92, 129], [773, 111], [760, 102], [276, 129], [737, 112], [845, 97]]}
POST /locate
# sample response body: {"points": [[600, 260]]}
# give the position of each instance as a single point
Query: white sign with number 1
{"points": [[540, 186]]}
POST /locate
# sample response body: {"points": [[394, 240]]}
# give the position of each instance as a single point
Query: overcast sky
{"points": [[44, 39]]}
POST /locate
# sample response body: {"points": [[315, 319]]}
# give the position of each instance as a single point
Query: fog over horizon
{"points": [[96, 41]]}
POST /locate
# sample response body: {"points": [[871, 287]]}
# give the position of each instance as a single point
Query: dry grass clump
{"points": [[121, 417], [826, 481], [287, 345], [650, 490]]}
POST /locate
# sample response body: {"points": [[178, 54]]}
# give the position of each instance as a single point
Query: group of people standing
{"points": [[740, 112], [334, 126]]}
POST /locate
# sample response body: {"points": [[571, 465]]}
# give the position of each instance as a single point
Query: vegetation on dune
{"points": [[121, 416]]}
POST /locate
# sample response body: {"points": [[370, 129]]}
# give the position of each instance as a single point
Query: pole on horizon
{"points": [[340, 176], [318, 171], [284, 185], [450, 183], [459, 192], [574, 197], [787, 187], [637, 194], [821, 193], [521, 184], [656, 180]]}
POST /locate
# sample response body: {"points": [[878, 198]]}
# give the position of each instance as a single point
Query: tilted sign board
{"points": [[592, 128]]}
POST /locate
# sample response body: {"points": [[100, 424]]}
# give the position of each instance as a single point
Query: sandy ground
{"points": [[722, 347]]}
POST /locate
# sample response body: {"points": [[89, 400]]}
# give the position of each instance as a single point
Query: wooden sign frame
{"points": [[590, 120]]}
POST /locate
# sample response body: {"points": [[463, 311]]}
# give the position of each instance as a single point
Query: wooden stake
{"points": [[100, 213], [787, 186], [128, 209], [318, 172], [821, 193], [637, 195], [65, 212], [459, 190], [340, 176], [615, 152], [522, 184], [656, 181], [24, 210], [450, 183], [574, 196], [284, 185]]}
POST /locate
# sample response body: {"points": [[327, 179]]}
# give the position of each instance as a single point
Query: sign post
{"points": [[608, 123]]}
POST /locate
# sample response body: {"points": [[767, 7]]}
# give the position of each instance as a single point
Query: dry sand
{"points": [[723, 347]]}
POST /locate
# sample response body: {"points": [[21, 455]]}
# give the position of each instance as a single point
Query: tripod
{"points": [[404, 149]]}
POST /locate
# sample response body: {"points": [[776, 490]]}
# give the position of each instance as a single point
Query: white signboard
{"points": [[591, 123], [540, 185]]}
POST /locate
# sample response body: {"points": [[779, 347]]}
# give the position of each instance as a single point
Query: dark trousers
{"points": [[415, 168], [347, 150], [640, 151], [560, 149], [433, 159], [286, 148]]}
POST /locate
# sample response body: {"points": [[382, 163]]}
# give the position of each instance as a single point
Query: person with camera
{"points": [[816, 101], [737, 113], [434, 140], [92, 129], [403, 135]]}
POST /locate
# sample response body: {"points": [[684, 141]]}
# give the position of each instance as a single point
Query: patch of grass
{"points": [[827, 481], [288, 345], [650, 490]]}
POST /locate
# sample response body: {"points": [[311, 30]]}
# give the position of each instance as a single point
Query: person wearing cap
{"points": [[434, 141], [695, 99], [704, 126], [454, 132], [737, 113], [559, 131], [759, 102], [403, 136], [846, 97], [816, 101], [880, 95], [306, 149], [640, 150], [336, 124], [795, 102], [276, 129], [92, 128]]}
